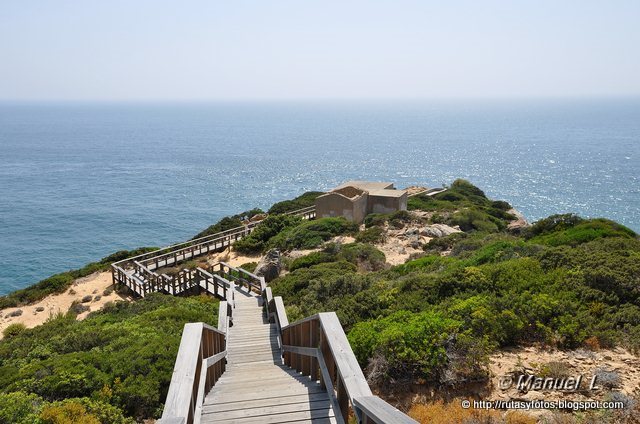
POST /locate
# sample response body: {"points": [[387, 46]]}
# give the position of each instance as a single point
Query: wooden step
{"points": [[266, 411], [283, 417]]}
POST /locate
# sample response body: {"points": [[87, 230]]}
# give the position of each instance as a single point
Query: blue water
{"points": [[79, 181]]}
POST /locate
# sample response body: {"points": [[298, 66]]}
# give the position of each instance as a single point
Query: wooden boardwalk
{"points": [[248, 370], [256, 387]]}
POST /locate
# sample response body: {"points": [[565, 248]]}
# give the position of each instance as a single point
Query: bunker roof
{"points": [[366, 185], [387, 193]]}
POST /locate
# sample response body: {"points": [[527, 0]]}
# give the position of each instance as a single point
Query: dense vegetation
{"points": [[286, 232], [58, 283], [565, 281], [117, 362], [303, 201]]}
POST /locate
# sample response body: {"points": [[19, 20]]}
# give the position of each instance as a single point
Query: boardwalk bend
{"points": [[255, 367]]}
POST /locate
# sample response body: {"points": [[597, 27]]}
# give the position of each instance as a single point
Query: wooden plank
{"points": [[281, 312], [180, 393], [345, 360], [243, 413], [306, 351], [258, 403], [259, 393], [222, 317], [380, 412], [328, 386], [277, 418]]}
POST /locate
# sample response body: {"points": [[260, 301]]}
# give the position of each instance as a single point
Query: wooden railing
{"points": [[240, 276], [318, 347], [305, 213], [138, 272], [199, 365]]}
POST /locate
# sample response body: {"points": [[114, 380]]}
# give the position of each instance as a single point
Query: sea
{"points": [[79, 181]]}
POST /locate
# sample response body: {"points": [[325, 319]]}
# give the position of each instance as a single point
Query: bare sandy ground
{"points": [[398, 251], [232, 258], [92, 285], [577, 362]]}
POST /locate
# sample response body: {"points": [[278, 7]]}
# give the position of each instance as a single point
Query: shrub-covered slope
{"points": [[121, 356], [565, 281]]}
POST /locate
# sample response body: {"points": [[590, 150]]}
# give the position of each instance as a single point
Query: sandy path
{"points": [[93, 285]]}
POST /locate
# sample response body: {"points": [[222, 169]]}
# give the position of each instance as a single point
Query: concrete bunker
{"points": [[354, 200]]}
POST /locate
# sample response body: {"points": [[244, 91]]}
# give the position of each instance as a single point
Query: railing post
{"points": [[343, 398], [314, 341]]}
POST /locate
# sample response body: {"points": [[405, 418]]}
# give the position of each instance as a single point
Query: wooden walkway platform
{"points": [[256, 386]]}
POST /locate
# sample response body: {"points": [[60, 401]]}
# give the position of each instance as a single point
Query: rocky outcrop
{"points": [[520, 222], [439, 230], [269, 266]]}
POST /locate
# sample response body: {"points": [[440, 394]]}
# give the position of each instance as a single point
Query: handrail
{"points": [[317, 347], [188, 243], [149, 281], [199, 364], [253, 281]]}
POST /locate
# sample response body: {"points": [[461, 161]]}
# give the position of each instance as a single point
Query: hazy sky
{"points": [[270, 49]]}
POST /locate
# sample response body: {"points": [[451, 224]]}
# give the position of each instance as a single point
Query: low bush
{"points": [[414, 345], [372, 235], [122, 355], [305, 200], [310, 234], [311, 259], [24, 408], [439, 412], [365, 256], [607, 379], [249, 266], [258, 240], [579, 231], [13, 329]]}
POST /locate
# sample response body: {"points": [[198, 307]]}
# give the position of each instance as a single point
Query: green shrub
{"points": [[249, 266], [471, 219], [372, 235], [412, 344], [311, 259], [13, 329], [578, 231], [553, 223], [68, 412], [126, 350], [259, 238], [305, 200], [375, 219], [310, 234], [365, 256], [20, 408], [379, 219]]}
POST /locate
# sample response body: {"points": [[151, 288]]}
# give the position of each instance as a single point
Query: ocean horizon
{"points": [[81, 180]]}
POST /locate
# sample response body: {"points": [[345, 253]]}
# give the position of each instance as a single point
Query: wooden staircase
{"points": [[256, 387], [257, 368], [254, 367]]}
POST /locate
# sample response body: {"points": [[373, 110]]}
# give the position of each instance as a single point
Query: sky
{"points": [[146, 50]]}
